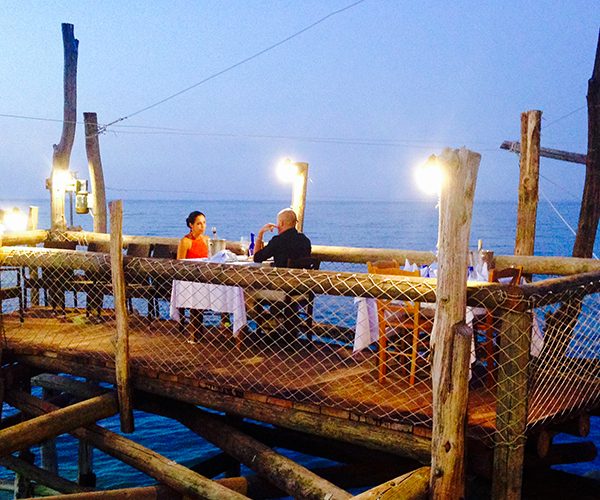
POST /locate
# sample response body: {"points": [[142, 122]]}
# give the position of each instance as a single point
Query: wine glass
{"points": [[244, 245]]}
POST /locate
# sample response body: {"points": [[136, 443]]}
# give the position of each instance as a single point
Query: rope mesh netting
{"points": [[336, 340]]}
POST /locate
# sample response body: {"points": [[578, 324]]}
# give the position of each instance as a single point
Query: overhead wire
{"points": [[233, 66]]}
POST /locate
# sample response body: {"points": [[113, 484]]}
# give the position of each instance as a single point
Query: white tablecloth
{"points": [[367, 323], [367, 326], [206, 296], [218, 298]]}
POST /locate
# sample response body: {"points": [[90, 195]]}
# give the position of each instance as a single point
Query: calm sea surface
{"points": [[359, 224]]}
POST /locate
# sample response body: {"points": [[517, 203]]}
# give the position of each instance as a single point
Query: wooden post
{"points": [[451, 338], [299, 193], [511, 400], [48, 455], [62, 150], [590, 207], [555, 154], [529, 168], [92, 148], [32, 218], [122, 341], [85, 465]]}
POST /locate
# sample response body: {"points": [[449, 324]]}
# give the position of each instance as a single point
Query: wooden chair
{"points": [[161, 287], [489, 326], [139, 287], [52, 281], [14, 290], [406, 319], [302, 305]]}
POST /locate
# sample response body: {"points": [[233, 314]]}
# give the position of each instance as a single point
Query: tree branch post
{"points": [[451, 337]]}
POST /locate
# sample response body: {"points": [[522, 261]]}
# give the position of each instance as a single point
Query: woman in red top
{"points": [[195, 244]]}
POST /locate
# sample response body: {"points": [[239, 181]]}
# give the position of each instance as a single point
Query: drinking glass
{"points": [[244, 245]]}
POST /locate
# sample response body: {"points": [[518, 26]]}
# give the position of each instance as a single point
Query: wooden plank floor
{"points": [[313, 373]]}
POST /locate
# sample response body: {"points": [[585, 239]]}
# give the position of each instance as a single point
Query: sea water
{"points": [[400, 225]]}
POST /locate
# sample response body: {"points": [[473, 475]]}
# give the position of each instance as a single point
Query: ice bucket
{"points": [[215, 246]]}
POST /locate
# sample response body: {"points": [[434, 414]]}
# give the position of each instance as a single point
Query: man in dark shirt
{"points": [[288, 244]]}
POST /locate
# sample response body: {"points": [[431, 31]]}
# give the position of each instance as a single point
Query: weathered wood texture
{"points": [[291, 477], [24, 238], [299, 194], [40, 476], [98, 191], [162, 469], [122, 337], [529, 176], [62, 150], [555, 154], [450, 338], [590, 204], [511, 405], [58, 422], [411, 486]]}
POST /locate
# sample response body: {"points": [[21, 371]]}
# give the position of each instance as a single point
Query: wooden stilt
{"points": [[451, 338], [48, 455], [161, 468], [23, 487], [122, 337], [511, 400], [85, 464]]}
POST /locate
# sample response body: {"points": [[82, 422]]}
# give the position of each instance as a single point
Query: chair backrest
{"points": [[383, 264], [381, 267], [139, 249], [514, 273], [304, 263], [96, 246], [62, 245], [164, 251]]}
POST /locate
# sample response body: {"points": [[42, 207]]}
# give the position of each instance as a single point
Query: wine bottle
{"points": [[251, 246]]}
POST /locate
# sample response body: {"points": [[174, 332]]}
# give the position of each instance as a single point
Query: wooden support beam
{"points": [[58, 422], [451, 337], [48, 454], [62, 150], [122, 337], [411, 486], [589, 213], [555, 154], [529, 176], [33, 218], [24, 238], [511, 398], [564, 453], [369, 436], [284, 473], [40, 476], [83, 390], [164, 470], [98, 192]]}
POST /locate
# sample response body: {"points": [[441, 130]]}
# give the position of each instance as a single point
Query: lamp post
{"points": [[297, 174]]}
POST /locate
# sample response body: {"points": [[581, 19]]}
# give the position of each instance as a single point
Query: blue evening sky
{"points": [[363, 97]]}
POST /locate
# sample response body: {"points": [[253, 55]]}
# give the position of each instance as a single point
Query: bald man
{"points": [[288, 244]]}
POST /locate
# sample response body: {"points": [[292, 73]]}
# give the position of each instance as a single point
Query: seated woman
{"points": [[194, 245]]}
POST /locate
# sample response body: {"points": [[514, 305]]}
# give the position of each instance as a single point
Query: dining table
{"points": [[209, 296]]}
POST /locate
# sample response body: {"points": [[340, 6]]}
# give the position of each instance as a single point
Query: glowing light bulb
{"points": [[430, 176], [287, 170]]}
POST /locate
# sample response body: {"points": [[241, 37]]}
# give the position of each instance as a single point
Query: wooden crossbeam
{"points": [[59, 421], [555, 154], [411, 486], [166, 471], [284, 473]]}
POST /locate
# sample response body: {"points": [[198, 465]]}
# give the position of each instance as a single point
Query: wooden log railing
{"points": [[541, 265]]}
